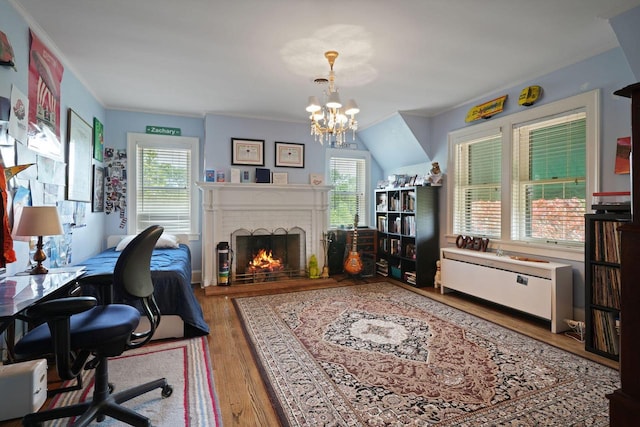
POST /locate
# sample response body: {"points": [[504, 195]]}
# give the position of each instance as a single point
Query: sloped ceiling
{"points": [[394, 143]]}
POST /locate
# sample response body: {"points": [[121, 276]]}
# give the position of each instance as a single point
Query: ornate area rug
{"points": [[381, 355], [186, 365]]}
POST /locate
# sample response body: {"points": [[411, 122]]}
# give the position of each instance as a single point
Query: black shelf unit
{"points": [[408, 236], [603, 282]]}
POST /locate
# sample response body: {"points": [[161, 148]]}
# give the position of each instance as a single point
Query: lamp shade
{"points": [[39, 221], [351, 108], [333, 100], [313, 105]]}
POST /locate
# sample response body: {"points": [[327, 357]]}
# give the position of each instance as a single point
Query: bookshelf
{"points": [[603, 282], [408, 237]]}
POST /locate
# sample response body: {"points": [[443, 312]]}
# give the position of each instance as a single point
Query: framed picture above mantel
{"points": [[289, 155], [247, 152]]}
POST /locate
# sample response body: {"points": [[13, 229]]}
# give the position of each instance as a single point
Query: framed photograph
{"points": [[247, 152], [79, 153], [289, 155], [98, 139], [97, 203]]}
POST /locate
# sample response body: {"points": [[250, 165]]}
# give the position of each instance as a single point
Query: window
{"points": [[549, 179], [524, 179], [349, 176], [478, 187], [162, 177]]}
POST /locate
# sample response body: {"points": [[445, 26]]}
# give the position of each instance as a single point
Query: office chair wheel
{"points": [[167, 391], [111, 388]]}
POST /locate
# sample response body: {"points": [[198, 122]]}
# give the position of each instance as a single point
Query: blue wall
{"points": [[86, 240], [608, 72]]}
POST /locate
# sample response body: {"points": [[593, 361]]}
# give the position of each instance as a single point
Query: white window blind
{"points": [[477, 187], [550, 179], [348, 197], [164, 188]]}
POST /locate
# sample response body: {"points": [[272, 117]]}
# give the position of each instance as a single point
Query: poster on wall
{"points": [[18, 116], [116, 183], [623, 151], [45, 76]]}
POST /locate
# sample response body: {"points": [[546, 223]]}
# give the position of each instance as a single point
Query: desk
{"points": [[17, 293]]}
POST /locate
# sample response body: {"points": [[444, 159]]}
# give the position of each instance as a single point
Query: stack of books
{"points": [[410, 277], [382, 267]]}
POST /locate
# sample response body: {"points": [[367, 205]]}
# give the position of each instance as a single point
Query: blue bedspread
{"points": [[171, 275]]}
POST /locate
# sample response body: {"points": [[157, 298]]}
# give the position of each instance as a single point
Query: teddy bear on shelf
{"points": [[435, 174], [437, 281]]}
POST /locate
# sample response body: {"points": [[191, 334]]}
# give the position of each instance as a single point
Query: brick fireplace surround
{"points": [[228, 207]]}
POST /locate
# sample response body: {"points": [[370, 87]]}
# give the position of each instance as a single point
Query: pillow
{"points": [[165, 241]]}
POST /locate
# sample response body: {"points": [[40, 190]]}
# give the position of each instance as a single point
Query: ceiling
{"points": [[258, 58]]}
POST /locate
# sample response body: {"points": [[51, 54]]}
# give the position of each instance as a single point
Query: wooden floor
{"points": [[242, 395]]}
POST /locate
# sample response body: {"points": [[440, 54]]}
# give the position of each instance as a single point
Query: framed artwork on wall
{"points": [[79, 137], [97, 203], [247, 152], [98, 139], [289, 155]]}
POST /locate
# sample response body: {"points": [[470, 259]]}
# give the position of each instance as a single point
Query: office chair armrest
{"points": [[61, 307], [102, 283]]}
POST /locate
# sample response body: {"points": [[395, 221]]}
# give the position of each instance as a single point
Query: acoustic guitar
{"points": [[353, 263]]}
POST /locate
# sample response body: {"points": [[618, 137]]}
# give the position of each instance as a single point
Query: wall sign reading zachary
{"points": [[161, 130]]}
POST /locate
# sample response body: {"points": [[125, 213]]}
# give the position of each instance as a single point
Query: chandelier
{"points": [[332, 120]]}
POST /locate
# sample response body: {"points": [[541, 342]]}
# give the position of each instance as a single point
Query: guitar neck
{"points": [[354, 245]]}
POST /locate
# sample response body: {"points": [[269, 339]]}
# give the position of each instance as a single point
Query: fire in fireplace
{"points": [[265, 261], [263, 255]]}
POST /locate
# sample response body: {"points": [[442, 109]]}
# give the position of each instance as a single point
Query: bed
{"points": [[171, 274]]}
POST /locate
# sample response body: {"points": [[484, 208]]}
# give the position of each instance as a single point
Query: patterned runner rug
{"points": [[381, 355], [186, 365]]}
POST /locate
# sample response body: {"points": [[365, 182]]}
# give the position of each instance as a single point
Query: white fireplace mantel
{"points": [[228, 207]]}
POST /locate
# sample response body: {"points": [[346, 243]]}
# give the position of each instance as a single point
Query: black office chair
{"points": [[78, 327]]}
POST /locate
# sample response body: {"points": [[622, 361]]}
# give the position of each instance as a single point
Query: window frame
{"points": [[135, 140], [364, 219], [590, 103]]}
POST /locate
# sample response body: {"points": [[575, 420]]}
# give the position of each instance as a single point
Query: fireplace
{"points": [[263, 255], [228, 207]]}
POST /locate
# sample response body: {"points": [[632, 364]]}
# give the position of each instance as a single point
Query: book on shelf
{"points": [[410, 277], [605, 286], [382, 267], [409, 201], [382, 224], [607, 241], [394, 202], [606, 336], [409, 228], [395, 247], [410, 251]]}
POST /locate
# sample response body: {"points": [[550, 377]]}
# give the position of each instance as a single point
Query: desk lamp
{"points": [[39, 221]]}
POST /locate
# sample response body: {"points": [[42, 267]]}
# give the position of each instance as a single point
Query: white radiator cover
{"points": [[543, 289]]}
